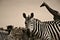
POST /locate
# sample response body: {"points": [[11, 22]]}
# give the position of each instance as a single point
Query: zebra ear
{"points": [[32, 14], [24, 15]]}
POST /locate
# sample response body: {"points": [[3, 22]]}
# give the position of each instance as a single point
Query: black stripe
{"points": [[52, 31], [38, 29], [56, 30], [35, 27], [38, 34], [57, 25], [58, 22]]}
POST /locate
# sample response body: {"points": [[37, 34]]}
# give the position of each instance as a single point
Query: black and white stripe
{"points": [[50, 26], [44, 30]]}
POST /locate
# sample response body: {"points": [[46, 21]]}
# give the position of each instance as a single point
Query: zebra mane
{"points": [[37, 19]]}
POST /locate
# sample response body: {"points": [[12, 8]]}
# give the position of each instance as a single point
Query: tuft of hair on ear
{"points": [[32, 14], [24, 15]]}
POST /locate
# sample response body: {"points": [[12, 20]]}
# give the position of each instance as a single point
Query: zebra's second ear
{"points": [[24, 15], [32, 15]]}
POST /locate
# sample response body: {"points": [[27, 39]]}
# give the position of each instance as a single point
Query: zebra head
{"points": [[29, 21]]}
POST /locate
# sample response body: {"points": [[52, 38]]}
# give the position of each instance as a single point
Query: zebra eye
{"points": [[31, 24]]}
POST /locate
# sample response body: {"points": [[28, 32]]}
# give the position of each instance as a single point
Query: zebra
{"points": [[18, 34], [5, 32], [48, 30], [3, 35]]}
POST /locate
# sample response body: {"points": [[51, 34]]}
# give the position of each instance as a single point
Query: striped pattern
{"points": [[18, 34], [44, 30], [15, 34], [3, 35], [54, 28]]}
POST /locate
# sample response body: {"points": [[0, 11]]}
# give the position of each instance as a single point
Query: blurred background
{"points": [[11, 11]]}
